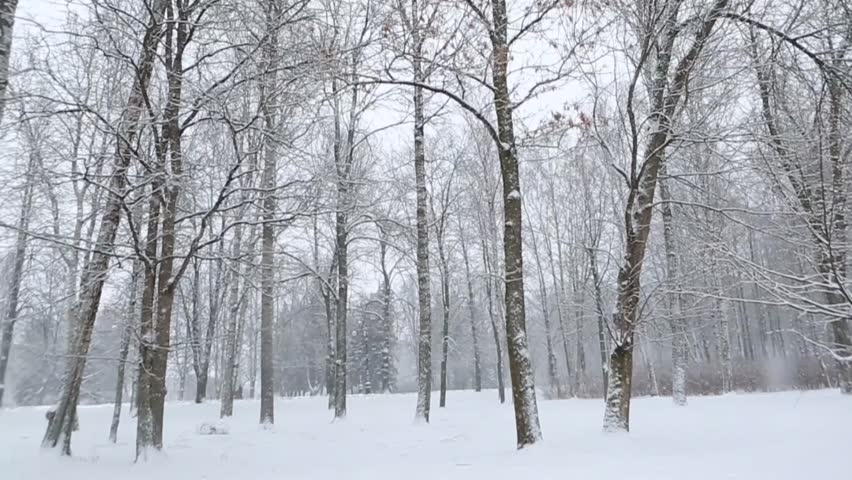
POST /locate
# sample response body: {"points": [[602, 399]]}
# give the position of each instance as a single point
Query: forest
{"points": [[225, 200]]}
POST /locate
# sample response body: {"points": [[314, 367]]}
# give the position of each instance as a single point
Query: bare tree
{"points": [[95, 270], [667, 91]]}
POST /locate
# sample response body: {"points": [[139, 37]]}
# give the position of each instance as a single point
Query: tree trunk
{"points": [[477, 362], [445, 308], [387, 323], [599, 309], [343, 162], [124, 350], [331, 369], [724, 335], [269, 82], [424, 295], [202, 369], [498, 347], [617, 413], [652, 374], [555, 385], [341, 237], [839, 187], [267, 299], [144, 415], [580, 352], [520, 364], [7, 23], [202, 346], [676, 321], [227, 406]]}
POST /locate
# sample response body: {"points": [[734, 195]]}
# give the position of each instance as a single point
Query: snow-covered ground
{"points": [[793, 435]]}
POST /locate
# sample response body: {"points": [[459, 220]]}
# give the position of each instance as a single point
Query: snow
{"points": [[790, 435]]}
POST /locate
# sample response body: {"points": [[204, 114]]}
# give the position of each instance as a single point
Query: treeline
{"points": [[244, 199]]}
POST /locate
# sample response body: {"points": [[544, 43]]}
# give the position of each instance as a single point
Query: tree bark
{"points": [[343, 162], [147, 335], [269, 81], [424, 294], [7, 23], [520, 364], [342, 239]]}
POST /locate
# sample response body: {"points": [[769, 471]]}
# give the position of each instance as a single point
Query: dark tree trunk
{"points": [[269, 82], [617, 416], [520, 364], [147, 337]]}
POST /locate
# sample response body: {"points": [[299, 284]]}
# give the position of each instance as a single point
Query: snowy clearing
{"points": [[791, 435]]}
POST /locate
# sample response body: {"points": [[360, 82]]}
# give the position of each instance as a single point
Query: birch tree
{"points": [[7, 24]]}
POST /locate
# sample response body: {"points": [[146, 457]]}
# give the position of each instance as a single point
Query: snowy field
{"points": [[793, 435]]}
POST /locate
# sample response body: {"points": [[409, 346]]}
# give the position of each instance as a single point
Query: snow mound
{"points": [[213, 428]]}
